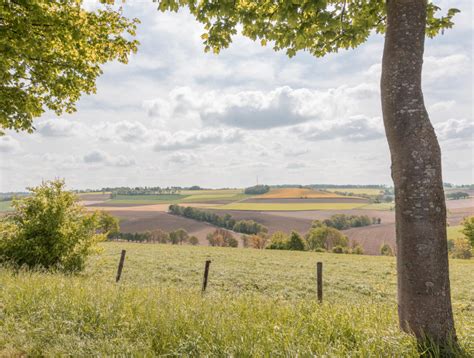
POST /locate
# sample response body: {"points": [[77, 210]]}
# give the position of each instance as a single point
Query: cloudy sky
{"points": [[177, 116]]}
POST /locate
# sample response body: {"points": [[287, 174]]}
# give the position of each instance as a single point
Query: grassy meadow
{"points": [[356, 191], [258, 303]]}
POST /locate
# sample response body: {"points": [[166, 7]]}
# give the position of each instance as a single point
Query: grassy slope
{"points": [[258, 303], [290, 206], [454, 232], [5, 206], [281, 193], [356, 191], [186, 196]]}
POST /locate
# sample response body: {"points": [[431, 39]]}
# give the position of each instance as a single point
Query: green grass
{"points": [[356, 191], [289, 206], [5, 206], [379, 206], [454, 232], [227, 192], [146, 199], [258, 303]]}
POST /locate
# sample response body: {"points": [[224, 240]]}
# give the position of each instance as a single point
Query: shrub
{"points": [[160, 236], [258, 241], [338, 249], [278, 241], [358, 250], [193, 240], [49, 229], [462, 249], [295, 242], [386, 250], [108, 224]]}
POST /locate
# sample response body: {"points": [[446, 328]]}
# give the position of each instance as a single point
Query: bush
{"points": [[109, 225], [462, 249], [179, 236], [357, 250], [258, 241], [338, 249], [386, 250], [49, 229], [295, 242], [193, 240], [278, 241]]}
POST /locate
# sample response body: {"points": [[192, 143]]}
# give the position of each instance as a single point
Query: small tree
{"points": [[295, 242], [193, 240], [179, 236], [468, 229], [258, 241], [108, 224], [49, 229]]}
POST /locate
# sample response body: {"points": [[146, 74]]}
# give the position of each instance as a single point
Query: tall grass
{"points": [[258, 303]]}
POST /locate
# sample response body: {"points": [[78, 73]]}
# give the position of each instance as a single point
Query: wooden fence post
{"points": [[319, 269], [120, 266], [206, 274]]}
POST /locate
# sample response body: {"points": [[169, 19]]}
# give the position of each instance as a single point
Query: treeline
{"points": [[344, 222], [457, 195], [226, 221], [257, 189], [177, 237]]}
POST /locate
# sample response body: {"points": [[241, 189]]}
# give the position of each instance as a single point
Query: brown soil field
{"points": [[94, 197], [460, 204], [307, 200], [372, 237]]}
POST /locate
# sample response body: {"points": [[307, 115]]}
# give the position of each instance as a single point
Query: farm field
{"points": [[356, 191], [5, 206], [304, 206], [297, 193], [454, 232], [258, 303]]}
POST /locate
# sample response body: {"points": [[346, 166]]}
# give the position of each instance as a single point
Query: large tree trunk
{"points": [[424, 301]]}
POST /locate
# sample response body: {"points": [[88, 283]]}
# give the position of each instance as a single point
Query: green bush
{"points": [[295, 242], [468, 229], [386, 250], [49, 229], [325, 237], [357, 250], [193, 240], [278, 241], [338, 249]]}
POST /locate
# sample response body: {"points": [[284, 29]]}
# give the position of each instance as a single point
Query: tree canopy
{"points": [[317, 26], [52, 52]]}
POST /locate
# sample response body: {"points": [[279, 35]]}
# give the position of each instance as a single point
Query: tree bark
{"points": [[424, 301]]}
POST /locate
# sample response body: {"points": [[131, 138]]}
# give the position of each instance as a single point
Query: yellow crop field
{"points": [[297, 193]]}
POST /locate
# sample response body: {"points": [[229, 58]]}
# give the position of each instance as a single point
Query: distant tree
{"points": [[357, 250], [257, 190], [222, 238], [457, 195], [468, 229], [193, 240], [325, 237], [179, 236], [258, 241], [296, 242], [160, 236], [52, 51], [108, 224], [49, 229]]}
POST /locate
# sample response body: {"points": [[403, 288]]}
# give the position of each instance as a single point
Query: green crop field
{"points": [[5, 206], [289, 206], [379, 206], [258, 303], [356, 191], [146, 199], [212, 192]]}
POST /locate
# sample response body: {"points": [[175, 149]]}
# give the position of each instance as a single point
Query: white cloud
{"points": [[8, 144], [183, 158], [57, 127], [356, 128], [193, 139], [455, 129], [97, 157]]}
